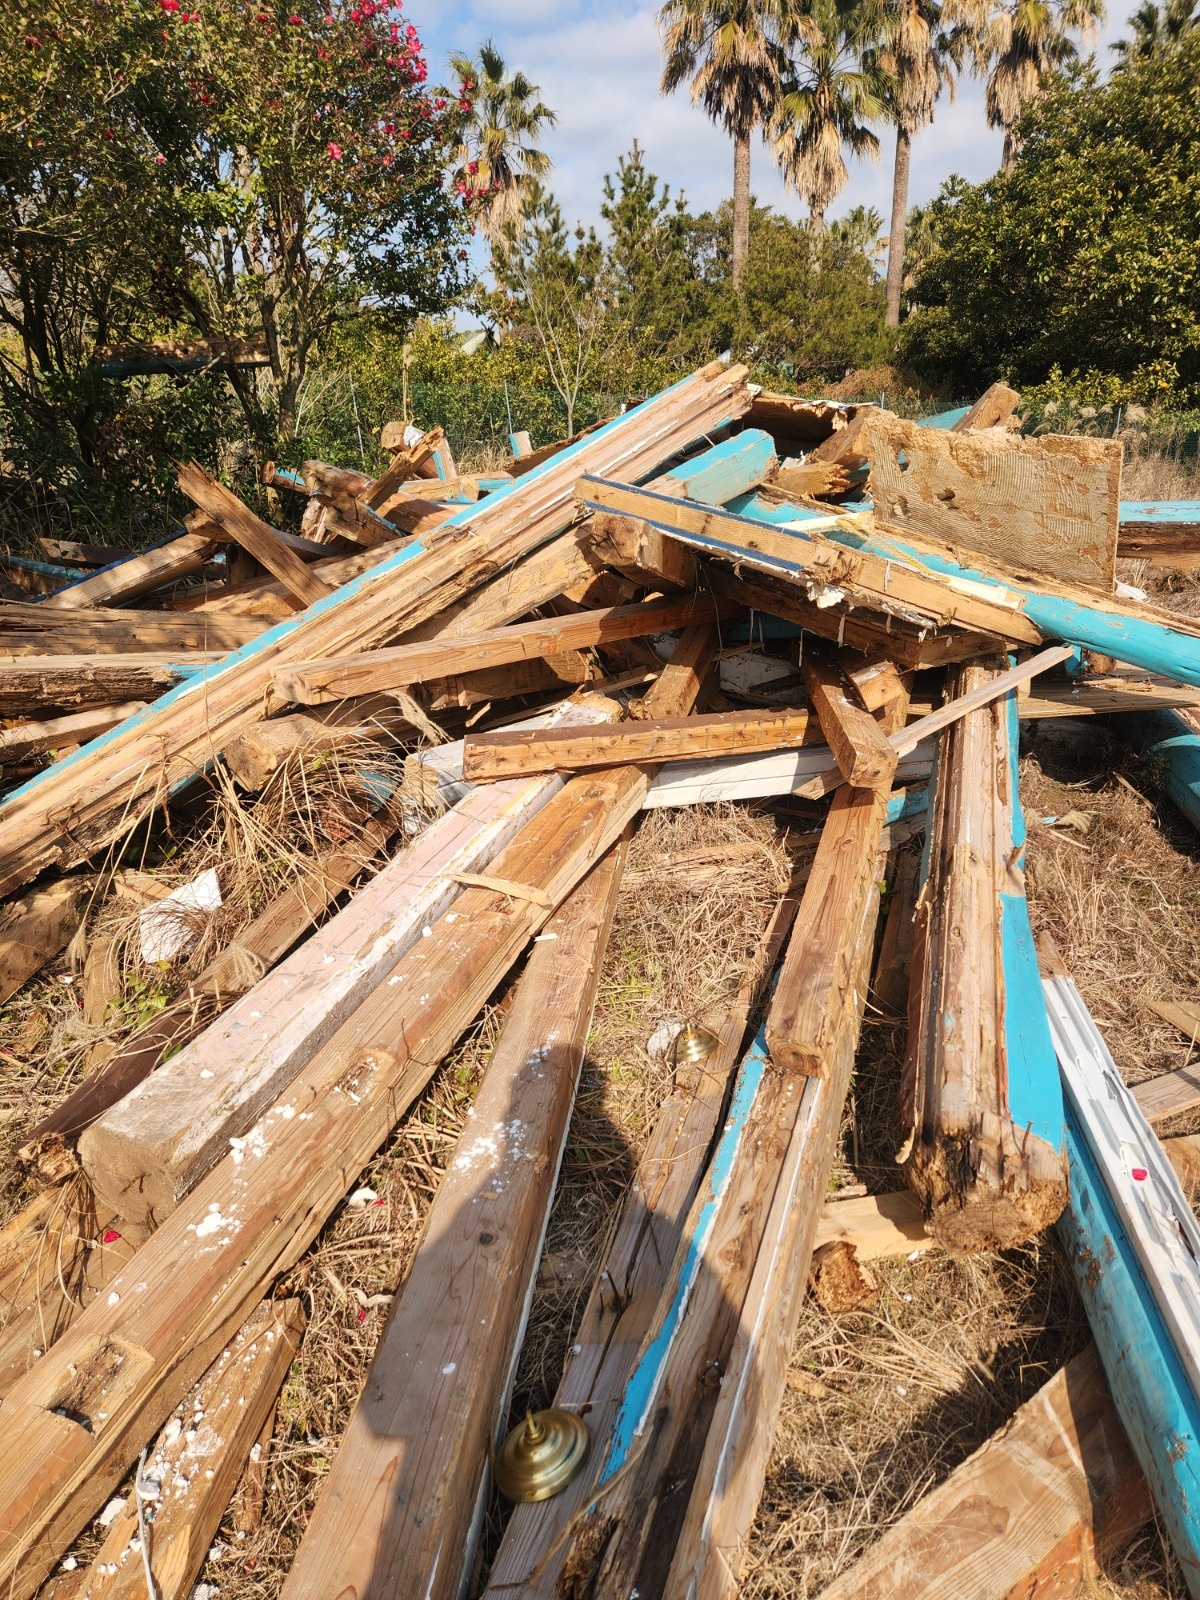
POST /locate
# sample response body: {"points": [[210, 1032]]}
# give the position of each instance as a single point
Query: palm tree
{"points": [[835, 89], [918, 56], [1017, 42], [1156, 30], [498, 158], [734, 52]]}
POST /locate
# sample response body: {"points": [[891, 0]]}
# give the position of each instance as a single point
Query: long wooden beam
{"points": [[85, 802], [239, 523], [1030, 1514], [34, 930], [309, 683], [70, 1429], [859, 745], [177, 557], [981, 1103], [62, 733], [27, 630], [39, 683], [398, 1510]]}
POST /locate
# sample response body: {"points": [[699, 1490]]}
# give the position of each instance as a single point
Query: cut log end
{"points": [[837, 1279], [975, 1199]]}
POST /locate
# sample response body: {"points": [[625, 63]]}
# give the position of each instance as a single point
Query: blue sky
{"points": [[598, 65]]}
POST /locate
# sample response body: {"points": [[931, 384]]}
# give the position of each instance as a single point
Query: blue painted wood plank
{"points": [[1165, 735], [945, 419], [1152, 513], [726, 470], [1154, 1400], [45, 569]]}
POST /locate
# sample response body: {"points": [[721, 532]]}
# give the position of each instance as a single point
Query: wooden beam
{"points": [[1169, 1094], [628, 1286], [1181, 1014], [859, 745], [258, 754], [995, 408], [832, 571], [981, 1103], [85, 803], [149, 1149], [27, 630], [313, 683], [640, 551], [130, 1358], [689, 783], [36, 929], [197, 1461], [45, 683], [398, 1508], [723, 471], [239, 523], [814, 998], [1048, 505], [1183, 1152], [84, 555], [178, 557], [1029, 1516], [62, 733], [876, 1226], [890, 980]]}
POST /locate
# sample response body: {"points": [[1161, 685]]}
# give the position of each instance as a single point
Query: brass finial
{"points": [[694, 1043], [541, 1455]]}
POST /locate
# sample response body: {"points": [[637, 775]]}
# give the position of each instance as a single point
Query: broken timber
{"points": [[860, 746], [1028, 1516], [398, 1511], [100, 793], [981, 1102], [177, 557]]}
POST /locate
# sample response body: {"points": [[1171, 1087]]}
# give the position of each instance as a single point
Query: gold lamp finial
{"points": [[541, 1455]]}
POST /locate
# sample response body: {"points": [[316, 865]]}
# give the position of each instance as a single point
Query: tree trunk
{"points": [[895, 266], [741, 204], [1010, 149], [817, 220]]}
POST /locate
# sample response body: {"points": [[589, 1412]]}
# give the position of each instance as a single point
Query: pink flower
{"points": [[296, 22], [335, 151], [387, 161], [472, 167], [410, 32], [356, 16], [404, 133], [169, 5], [160, 161], [462, 255]]}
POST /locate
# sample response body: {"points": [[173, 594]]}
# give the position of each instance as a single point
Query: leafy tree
{"points": [[325, 149], [1156, 29], [834, 90], [1084, 254], [498, 157], [918, 56], [735, 53], [1017, 44]]}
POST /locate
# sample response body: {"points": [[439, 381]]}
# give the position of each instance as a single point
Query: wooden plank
{"points": [[36, 683], [521, 678], [890, 980], [27, 630], [84, 555], [258, 754], [642, 552], [628, 1286], [197, 1459], [814, 996], [877, 1226], [1098, 699], [239, 523], [689, 783], [86, 802], [995, 408], [834, 571], [130, 1357], [155, 1144], [59, 733], [1166, 532], [859, 745], [178, 557], [36, 929], [238, 968], [705, 1554], [723, 471], [1181, 1014], [1048, 505], [1169, 1094], [313, 683], [1028, 1516], [1183, 1152], [980, 1103], [398, 1509], [992, 688]]}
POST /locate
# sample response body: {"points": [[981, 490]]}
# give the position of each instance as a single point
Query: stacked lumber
{"points": [[817, 613]]}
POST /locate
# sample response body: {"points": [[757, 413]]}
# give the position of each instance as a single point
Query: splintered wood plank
{"points": [[641, 551], [313, 683], [197, 1461], [981, 1100], [36, 929], [1028, 1516], [165, 563], [397, 1510], [132, 1355], [1169, 1094], [38, 683], [1049, 505], [993, 409], [83, 804], [629, 1285], [59, 733], [815, 993], [25, 630], [237, 521], [859, 745]]}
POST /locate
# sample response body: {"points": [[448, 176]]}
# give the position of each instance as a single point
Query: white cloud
{"points": [[598, 65]]}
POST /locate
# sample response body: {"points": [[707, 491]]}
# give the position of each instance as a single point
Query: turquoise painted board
{"points": [[945, 419], [1153, 1398], [1165, 735], [1153, 513], [727, 470]]}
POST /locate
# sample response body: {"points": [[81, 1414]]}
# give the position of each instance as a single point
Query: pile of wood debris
{"points": [[721, 596]]}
